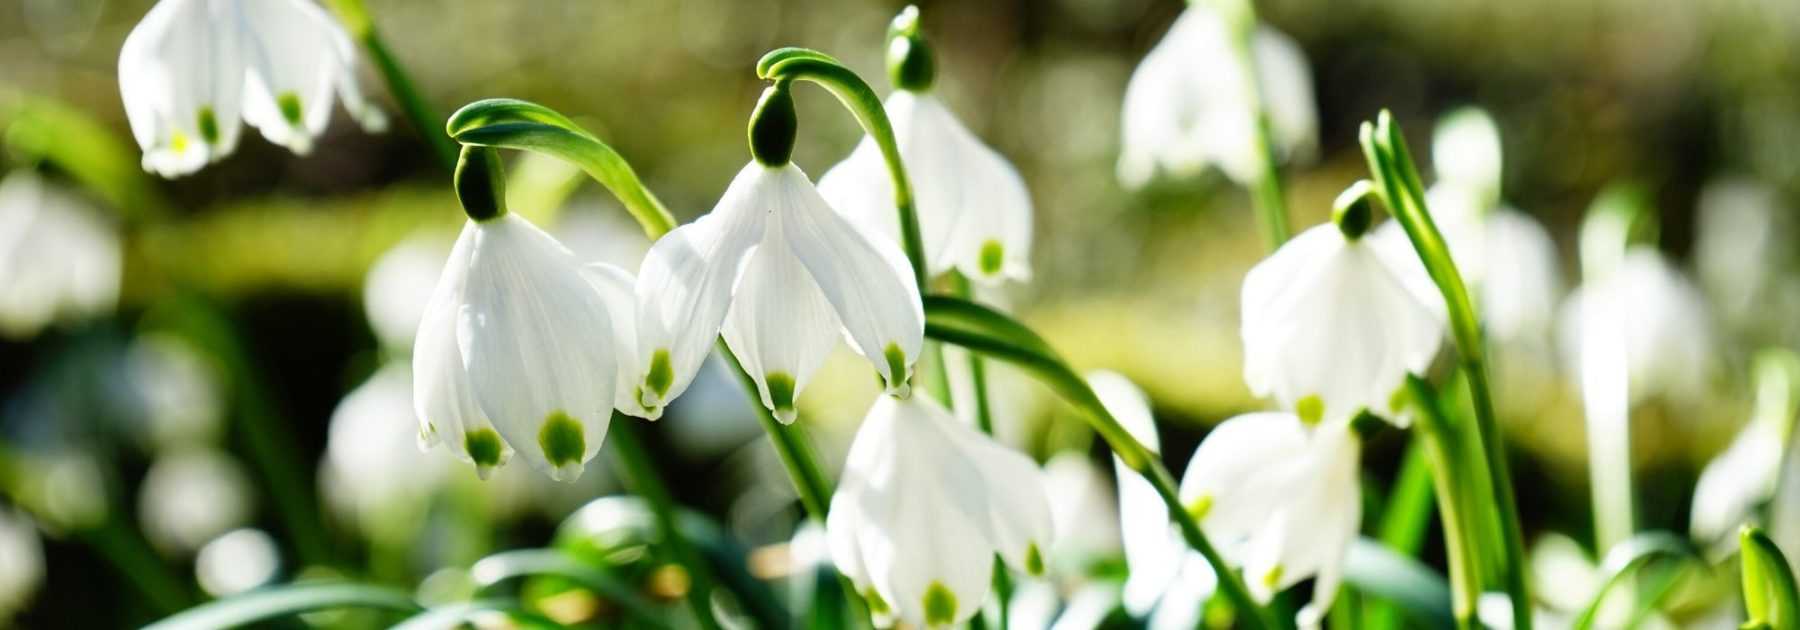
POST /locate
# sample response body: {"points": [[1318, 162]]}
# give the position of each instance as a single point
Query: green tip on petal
{"points": [[564, 442], [1200, 507], [993, 257], [289, 103], [1398, 400], [1311, 409], [781, 396], [877, 605], [209, 125], [940, 605], [178, 142], [1034, 560], [660, 376], [896, 376], [483, 446], [1272, 579]]}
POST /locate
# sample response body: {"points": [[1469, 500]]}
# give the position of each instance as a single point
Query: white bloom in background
{"points": [[1281, 499], [1506, 257], [1667, 332], [782, 273], [59, 258], [518, 350], [1187, 106], [238, 561], [1466, 150], [1736, 481], [192, 68], [190, 497], [21, 562], [373, 465], [178, 386], [1083, 510], [399, 285], [973, 208], [1742, 246], [924, 505], [1330, 328]]}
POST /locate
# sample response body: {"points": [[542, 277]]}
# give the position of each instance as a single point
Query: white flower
{"points": [[518, 350], [782, 273], [1465, 149], [372, 467], [1736, 481], [399, 285], [1741, 249], [1281, 499], [973, 209], [238, 561], [179, 388], [925, 504], [59, 259], [1083, 511], [1187, 107], [1665, 328], [189, 497], [1330, 328], [192, 68], [21, 562]]}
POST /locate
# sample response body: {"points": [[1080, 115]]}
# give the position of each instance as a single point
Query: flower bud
{"points": [[909, 60], [773, 125]]}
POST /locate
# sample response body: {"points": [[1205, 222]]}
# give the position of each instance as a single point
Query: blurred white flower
{"points": [[59, 258], [1506, 257], [1281, 499], [924, 505], [183, 400], [1330, 328], [191, 68], [238, 561], [373, 467], [21, 562], [973, 208], [189, 497], [1466, 150], [1083, 510], [782, 273], [1187, 105], [1742, 247], [398, 287], [519, 350], [1665, 328], [1736, 481]]}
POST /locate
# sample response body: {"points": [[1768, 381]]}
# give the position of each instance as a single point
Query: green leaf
{"points": [[466, 614], [1421, 593], [1770, 596], [1630, 557], [280, 601], [86, 149], [507, 565]]}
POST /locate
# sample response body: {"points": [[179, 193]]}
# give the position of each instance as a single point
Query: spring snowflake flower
{"points": [[1187, 106], [782, 273], [192, 68], [1330, 327], [1664, 327], [372, 469], [59, 259], [519, 347], [973, 208], [1281, 499], [925, 504]]}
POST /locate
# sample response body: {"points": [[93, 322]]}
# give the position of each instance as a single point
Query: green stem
{"points": [[637, 472], [421, 114], [1265, 192], [1404, 521], [1392, 166], [1443, 450], [127, 552]]}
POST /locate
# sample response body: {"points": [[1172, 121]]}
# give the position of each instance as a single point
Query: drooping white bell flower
{"points": [[974, 210], [1187, 106], [1083, 510], [59, 258], [925, 504], [373, 468], [1330, 327], [191, 496], [21, 562], [1466, 150], [517, 351], [193, 68], [1664, 326], [1281, 499], [782, 273]]}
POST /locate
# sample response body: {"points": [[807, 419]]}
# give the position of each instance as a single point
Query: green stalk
{"points": [[1265, 192], [421, 114], [1442, 448], [636, 470], [1403, 524], [1392, 166]]}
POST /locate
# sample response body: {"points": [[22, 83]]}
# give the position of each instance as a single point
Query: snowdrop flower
{"points": [[974, 211], [782, 273], [1746, 475], [399, 285], [59, 259], [372, 464], [1281, 499], [924, 505], [517, 350], [1188, 104], [192, 68], [189, 497], [21, 562], [1666, 329], [1329, 326]]}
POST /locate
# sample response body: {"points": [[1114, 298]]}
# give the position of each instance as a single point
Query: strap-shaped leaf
{"points": [[1630, 557], [508, 565], [1420, 592], [466, 614], [259, 605]]}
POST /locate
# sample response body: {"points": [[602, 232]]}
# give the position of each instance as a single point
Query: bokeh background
{"points": [[205, 404]]}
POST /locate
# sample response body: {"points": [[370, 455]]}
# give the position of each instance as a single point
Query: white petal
{"points": [[297, 57], [866, 278], [962, 183], [1736, 481], [1083, 510], [1154, 550], [1465, 148], [780, 326], [1287, 94], [684, 288], [859, 187], [443, 397], [536, 342], [1238, 477], [1521, 286], [616, 287], [180, 66], [1018, 509]]}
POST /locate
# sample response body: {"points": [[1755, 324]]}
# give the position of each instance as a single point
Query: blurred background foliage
{"points": [[1670, 94]]}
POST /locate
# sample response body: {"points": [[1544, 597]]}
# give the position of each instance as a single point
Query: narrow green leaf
{"points": [[467, 614], [1421, 593], [507, 565], [1770, 596], [281, 601], [1630, 557], [765, 66]]}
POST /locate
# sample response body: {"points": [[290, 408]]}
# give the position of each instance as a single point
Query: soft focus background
{"points": [[199, 418]]}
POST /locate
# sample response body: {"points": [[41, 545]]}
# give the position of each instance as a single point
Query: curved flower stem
{"points": [[1265, 192], [634, 465], [1392, 166], [1443, 449], [423, 116]]}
